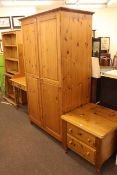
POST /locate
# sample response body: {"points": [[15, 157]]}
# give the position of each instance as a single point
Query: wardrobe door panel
{"points": [[51, 109], [48, 30], [30, 47], [34, 101]]}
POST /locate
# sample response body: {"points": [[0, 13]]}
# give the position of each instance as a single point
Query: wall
{"points": [[105, 23], [16, 11]]}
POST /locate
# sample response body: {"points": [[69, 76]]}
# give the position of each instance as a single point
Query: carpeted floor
{"points": [[27, 150]]}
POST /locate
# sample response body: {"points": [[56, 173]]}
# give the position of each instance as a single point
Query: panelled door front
{"points": [[49, 54], [33, 87], [51, 109], [30, 46]]}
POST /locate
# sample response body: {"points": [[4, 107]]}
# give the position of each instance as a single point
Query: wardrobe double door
{"points": [[42, 65]]}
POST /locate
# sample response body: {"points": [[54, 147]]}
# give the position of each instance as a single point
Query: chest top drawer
{"points": [[81, 135]]}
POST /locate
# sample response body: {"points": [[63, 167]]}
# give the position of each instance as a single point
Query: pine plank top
{"points": [[95, 119], [20, 81], [59, 9], [10, 32]]}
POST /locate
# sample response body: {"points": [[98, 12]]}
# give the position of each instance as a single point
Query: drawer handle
{"points": [[70, 142], [79, 134], [89, 140], [88, 153], [70, 130]]}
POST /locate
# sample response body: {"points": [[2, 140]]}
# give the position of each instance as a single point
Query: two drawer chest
{"points": [[91, 131]]}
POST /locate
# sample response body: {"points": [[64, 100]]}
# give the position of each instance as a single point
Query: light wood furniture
{"points": [[19, 83], [57, 54], [91, 131], [13, 56]]}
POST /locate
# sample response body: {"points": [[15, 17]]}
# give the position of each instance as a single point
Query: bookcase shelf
{"points": [[11, 66], [12, 59], [10, 52], [10, 45], [13, 56], [9, 39]]}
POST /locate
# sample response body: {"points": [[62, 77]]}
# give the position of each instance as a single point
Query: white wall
{"points": [[12, 11], [16, 11], [105, 23]]}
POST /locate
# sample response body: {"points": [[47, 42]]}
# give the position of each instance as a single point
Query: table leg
{"points": [[64, 134], [17, 97]]}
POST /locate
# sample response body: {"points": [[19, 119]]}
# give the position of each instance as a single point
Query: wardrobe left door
{"points": [[31, 59]]}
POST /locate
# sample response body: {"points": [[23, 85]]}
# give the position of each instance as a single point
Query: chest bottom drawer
{"points": [[82, 149]]}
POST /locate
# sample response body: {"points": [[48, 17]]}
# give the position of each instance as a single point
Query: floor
{"points": [[27, 150]]}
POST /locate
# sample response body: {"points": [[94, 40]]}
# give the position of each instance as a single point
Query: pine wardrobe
{"points": [[57, 53]]}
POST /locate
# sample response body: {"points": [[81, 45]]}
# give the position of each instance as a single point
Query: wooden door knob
{"points": [[79, 133], [89, 140], [88, 153], [70, 142], [70, 130]]}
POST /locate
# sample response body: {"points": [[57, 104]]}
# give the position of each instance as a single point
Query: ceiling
{"points": [[110, 3]]}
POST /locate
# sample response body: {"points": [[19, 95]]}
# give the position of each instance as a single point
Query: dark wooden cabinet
{"points": [[95, 89], [108, 92]]}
